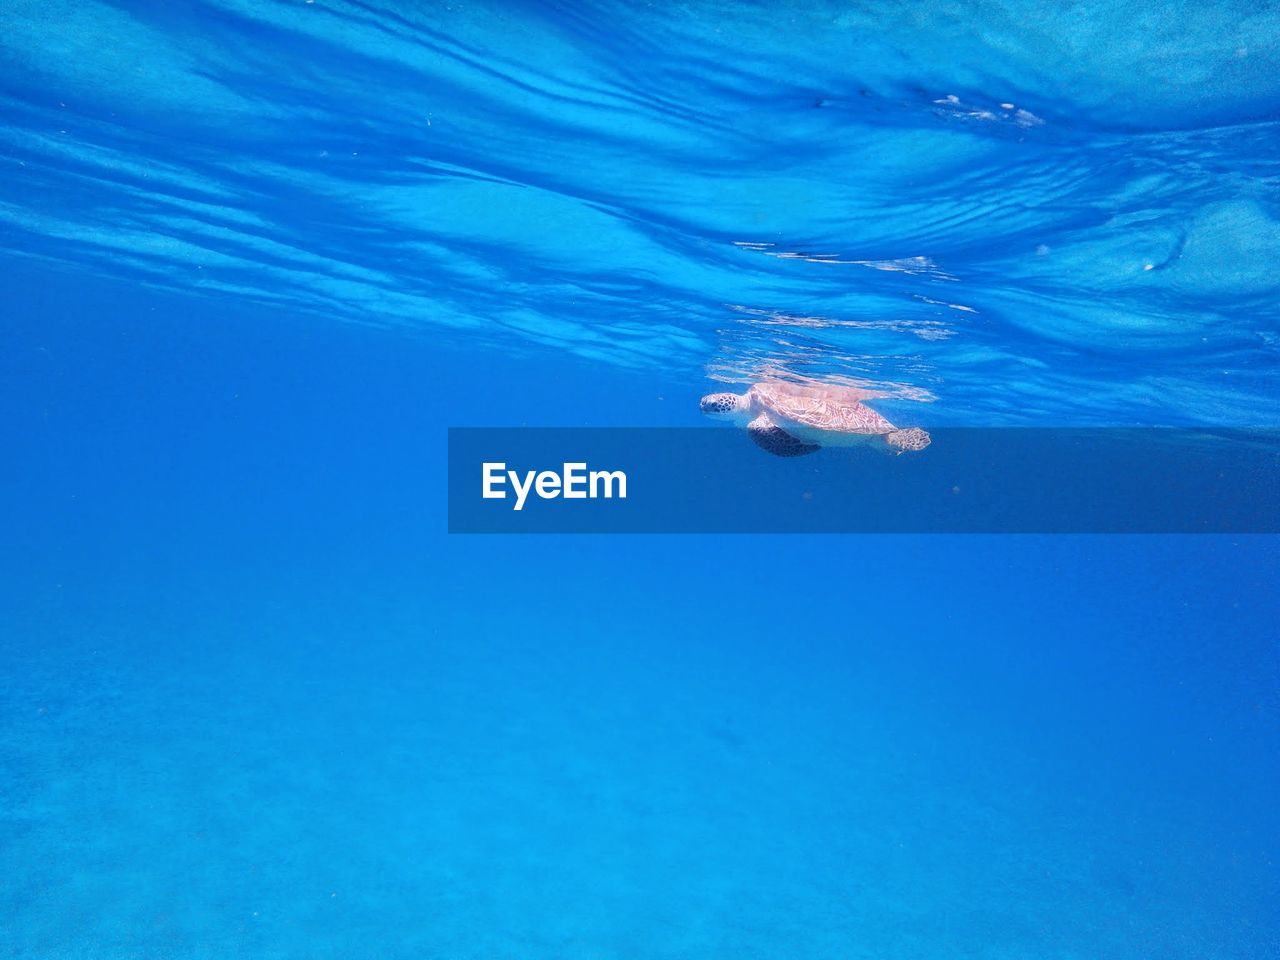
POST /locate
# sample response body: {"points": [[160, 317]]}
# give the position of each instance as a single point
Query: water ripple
{"points": [[1010, 220]]}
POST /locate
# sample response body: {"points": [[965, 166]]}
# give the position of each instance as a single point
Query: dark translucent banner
{"points": [[715, 480]]}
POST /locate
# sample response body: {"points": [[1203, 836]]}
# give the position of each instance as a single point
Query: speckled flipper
{"points": [[769, 436], [912, 438]]}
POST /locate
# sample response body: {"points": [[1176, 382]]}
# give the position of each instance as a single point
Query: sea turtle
{"points": [[790, 420]]}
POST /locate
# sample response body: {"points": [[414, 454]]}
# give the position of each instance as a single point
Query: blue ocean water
{"points": [[256, 258]]}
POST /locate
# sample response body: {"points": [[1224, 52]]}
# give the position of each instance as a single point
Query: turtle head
{"points": [[726, 406]]}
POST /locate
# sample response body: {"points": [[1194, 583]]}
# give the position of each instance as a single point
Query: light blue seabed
{"points": [[255, 703]]}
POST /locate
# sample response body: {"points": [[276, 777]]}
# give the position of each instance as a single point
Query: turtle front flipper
{"points": [[769, 436]]}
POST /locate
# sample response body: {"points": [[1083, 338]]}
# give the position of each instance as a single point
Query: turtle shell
{"points": [[830, 408]]}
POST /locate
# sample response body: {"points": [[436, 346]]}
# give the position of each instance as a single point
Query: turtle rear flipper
{"points": [[769, 436], [912, 438]]}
